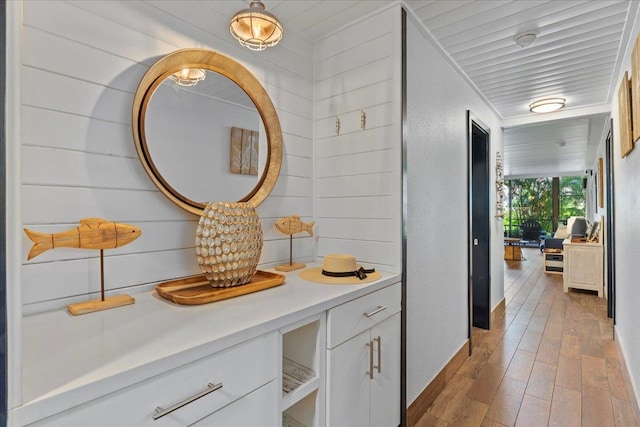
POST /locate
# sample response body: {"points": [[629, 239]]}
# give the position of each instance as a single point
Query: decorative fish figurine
{"points": [[93, 233], [292, 225]]}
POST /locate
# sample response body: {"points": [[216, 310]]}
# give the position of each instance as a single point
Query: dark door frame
{"points": [[473, 123], [4, 388], [610, 236]]}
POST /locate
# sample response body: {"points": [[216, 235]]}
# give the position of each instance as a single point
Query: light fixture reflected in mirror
{"points": [[546, 105], [189, 76], [255, 28]]}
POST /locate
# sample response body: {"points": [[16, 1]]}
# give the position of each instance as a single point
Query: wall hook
{"points": [[363, 120], [337, 125]]}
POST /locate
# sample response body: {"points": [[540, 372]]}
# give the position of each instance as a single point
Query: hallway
{"points": [[548, 361]]}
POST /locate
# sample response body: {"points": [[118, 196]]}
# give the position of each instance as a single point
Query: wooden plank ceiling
{"points": [[577, 56]]}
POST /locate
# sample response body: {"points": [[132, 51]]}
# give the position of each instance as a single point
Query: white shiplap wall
{"points": [[358, 171], [82, 62]]}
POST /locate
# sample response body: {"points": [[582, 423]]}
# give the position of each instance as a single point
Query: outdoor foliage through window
{"points": [[531, 198]]}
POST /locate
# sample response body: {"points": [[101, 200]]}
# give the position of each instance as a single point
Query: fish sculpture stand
{"points": [[92, 233], [292, 225]]}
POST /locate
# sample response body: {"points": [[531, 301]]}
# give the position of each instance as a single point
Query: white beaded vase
{"points": [[228, 243]]}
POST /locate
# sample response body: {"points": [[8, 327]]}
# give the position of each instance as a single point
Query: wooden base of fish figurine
{"points": [[98, 304], [291, 267]]}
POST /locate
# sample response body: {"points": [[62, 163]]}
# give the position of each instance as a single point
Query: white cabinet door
{"points": [[355, 398], [385, 386], [348, 383], [258, 409]]}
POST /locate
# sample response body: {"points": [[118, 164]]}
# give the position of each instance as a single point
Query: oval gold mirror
{"points": [[177, 130]]}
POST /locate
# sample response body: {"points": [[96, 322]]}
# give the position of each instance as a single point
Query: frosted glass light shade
{"points": [[546, 105], [255, 28]]}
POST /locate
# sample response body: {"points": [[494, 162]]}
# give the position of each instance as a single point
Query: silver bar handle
{"points": [[376, 311], [370, 371], [379, 367], [161, 412]]}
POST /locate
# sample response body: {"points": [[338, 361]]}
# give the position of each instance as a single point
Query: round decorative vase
{"points": [[228, 243]]}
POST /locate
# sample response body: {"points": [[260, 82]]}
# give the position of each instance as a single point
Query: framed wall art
{"points": [[624, 115], [244, 151], [635, 92], [600, 183]]}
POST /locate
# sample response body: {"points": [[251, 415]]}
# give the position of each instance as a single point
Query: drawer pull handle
{"points": [[379, 366], [370, 371], [161, 412], [376, 311]]}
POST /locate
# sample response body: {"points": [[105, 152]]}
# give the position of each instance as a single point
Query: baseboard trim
{"points": [[630, 389], [497, 312], [419, 406], [422, 403]]}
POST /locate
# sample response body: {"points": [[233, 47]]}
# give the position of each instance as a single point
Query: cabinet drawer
{"points": [[241, 369], [349, 319], [553, 257], [259, 408]]}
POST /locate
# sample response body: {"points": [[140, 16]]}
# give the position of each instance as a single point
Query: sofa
{"points": [[577, 226]]}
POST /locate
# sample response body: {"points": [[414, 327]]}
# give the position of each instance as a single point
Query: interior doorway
{"points": [[479, 224]]}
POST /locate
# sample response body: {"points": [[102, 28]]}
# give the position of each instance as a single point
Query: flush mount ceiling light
{"points": [[546, 105], [255, 28], [526, 38], [189, 76]]}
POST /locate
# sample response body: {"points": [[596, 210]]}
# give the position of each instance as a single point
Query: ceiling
{"points": [[577, 55]]}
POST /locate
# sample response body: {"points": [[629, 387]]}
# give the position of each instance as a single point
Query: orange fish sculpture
{"points": [[93, 233], [292, 225]]}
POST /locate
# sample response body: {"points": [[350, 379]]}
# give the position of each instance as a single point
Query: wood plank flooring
{"points": [[549, 361]]}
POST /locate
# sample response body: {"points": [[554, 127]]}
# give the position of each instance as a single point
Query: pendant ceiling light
{"points": [[255, 28], [189, 76], [546, 105]]}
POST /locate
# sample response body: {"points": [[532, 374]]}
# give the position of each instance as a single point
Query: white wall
{"points": [[627, 230], [358, 171], [81, 65], [437, 103]]}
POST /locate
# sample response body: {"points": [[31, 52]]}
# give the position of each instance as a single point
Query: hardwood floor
{"points": [[549, 361]]}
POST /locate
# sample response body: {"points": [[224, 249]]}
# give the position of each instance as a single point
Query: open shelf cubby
{"points": [[303, 361]]}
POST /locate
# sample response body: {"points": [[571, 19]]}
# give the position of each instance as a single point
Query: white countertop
{"points": [[68, 360]]}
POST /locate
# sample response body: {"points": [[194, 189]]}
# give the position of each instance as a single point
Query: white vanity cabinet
{"points": [[116, 367], [363, 362]]}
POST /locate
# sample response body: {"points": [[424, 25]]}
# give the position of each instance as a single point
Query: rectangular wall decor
{"points": [[244, 151], [624, 104], [635, 91], [601, 182]]}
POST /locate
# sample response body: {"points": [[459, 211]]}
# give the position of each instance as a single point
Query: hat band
{"points": [[361, 273]]}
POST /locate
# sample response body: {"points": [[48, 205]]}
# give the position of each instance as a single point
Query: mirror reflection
{"points": [[184, 132], [207, 140]]}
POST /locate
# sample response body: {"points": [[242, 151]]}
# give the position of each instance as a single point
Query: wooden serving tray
{"points": [[196, 290]]}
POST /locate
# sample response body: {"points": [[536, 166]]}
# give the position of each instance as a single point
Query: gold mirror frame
{"points": [[213, 61]]}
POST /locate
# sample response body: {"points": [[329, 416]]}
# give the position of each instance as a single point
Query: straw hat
{"points": [[340, 269]]}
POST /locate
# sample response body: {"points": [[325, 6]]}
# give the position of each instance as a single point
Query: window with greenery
{"points": [[572, 197], [532, 198]]}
